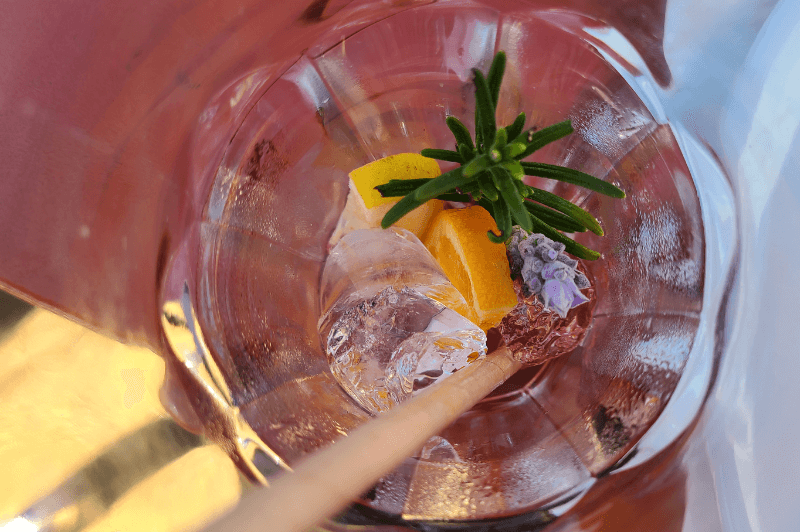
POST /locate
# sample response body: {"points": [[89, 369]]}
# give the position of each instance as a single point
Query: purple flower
{"points": [[548, 272], [555, 269], [561, 296]]}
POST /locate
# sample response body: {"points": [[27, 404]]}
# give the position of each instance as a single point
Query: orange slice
{"points": [[476, 266]]}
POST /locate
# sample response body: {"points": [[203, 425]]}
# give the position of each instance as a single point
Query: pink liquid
{"points": [[536, 335]]}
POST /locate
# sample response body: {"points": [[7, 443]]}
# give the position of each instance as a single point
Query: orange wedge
{"points": [[476, 266]]}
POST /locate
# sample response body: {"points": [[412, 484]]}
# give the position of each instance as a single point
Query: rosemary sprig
{"points": [[492, 170]]}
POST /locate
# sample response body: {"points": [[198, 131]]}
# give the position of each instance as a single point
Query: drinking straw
{"points": [[329, 480]]}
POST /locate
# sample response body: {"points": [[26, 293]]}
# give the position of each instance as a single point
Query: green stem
{"points": [[505, 184]]}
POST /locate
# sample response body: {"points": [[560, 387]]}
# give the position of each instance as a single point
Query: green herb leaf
{"points": [[443, 155], [478, 132], [573, 247], [514, 168], [513, 150], [400, 187], [477, 165], [575, 177], [543, 137], [516, 127], [466, 152], [470, 188], [495, 77], [461, 198], [571, 210], [460, 132], [439, 185], [487, 187], [524, 190], [503, 219], [486, 125], [488, 205], [505, 184], [500, 139], [553, 218]]}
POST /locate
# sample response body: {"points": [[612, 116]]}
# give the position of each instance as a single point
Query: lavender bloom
{"points": [[535, 285], [552, 269], [527, 249], [515, 259], [572, 263], [581, 281], [546, 252], [547, 271], [561, 296]]}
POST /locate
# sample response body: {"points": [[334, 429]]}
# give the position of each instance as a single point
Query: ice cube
{"points": [[449, 343], [388, 327], [366, 261]]}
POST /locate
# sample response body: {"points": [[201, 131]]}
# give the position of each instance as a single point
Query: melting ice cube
{"points": [[388, 329]]}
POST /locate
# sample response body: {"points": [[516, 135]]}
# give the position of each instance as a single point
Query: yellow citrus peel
{"points": [[371, 206]]}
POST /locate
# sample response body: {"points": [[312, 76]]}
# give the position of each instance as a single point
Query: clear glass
{"points": [[117, 126], [240, 300]]}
